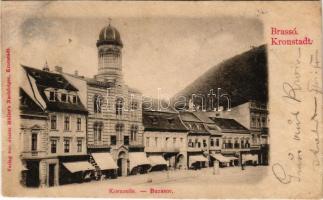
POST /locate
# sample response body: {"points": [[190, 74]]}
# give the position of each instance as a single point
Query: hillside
{"points": [[244, 77]]}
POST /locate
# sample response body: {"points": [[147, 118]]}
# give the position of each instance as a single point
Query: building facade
{"points": [[59, 136], [198, 141], [165, 139], [114, 125], [254, 116]]}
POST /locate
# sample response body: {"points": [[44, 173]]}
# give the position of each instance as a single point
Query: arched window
{"points": [[119, 130], [133, 132], [119, 106], [97, 128], [97, 103]]}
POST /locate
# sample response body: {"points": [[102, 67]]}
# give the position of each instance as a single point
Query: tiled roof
{"points": [[152, 104], [189, 117], [229, 125], [28, 106], [204, 116], [49, 79], [162, 121], [45, 79], [61, 106]]}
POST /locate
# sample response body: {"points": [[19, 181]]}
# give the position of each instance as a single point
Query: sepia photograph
{"points": [[143, 105]]}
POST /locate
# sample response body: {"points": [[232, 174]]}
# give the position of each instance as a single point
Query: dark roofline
{"points": [[27, 68]]}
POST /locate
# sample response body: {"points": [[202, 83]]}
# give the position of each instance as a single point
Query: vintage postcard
{"points": [[153, 99]]}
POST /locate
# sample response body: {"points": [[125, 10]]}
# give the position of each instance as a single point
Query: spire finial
{"points": [[109, 19], [46, 68]]}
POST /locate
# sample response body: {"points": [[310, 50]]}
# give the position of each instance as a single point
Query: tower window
{"points": [[119, 106]]}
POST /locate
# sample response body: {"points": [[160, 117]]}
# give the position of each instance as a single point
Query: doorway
{"points": [[122, 164], [32, 176], [51, 175]]}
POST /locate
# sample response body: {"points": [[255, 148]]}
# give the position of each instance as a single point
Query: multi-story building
{"points": [[114, 126], [198, 141], [165, 139], [236, 139], [215, 133], [254, 116], [54, 135]]}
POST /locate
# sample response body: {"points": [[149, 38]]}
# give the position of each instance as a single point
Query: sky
{"points": [[160, 51]]}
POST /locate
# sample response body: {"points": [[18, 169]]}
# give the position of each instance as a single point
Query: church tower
{"points": [[109, 55]]}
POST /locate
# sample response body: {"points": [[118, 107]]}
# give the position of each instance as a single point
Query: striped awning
{"points": [[220, 157], [197, 158], [157, 160], [104, 161], [78, 166], [137, 159], [249, 157]]}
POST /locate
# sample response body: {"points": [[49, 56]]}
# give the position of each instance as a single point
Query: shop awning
{"points": [[104, 161], [197, 158], [138, 158], [157, 160], [78, 166], [220, 157], [247, 157], [232, 158]]}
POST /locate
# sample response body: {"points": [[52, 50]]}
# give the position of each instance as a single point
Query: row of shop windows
{"points": [[53, 123]]}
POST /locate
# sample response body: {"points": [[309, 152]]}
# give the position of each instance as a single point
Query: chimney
{"points": [[76, 73], [59, 69]]}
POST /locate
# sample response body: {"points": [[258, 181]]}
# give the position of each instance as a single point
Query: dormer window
{"points": [[51, 96], [63, 97], [74, 99]]}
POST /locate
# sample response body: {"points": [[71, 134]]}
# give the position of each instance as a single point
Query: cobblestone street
{"points": [[163, 182]]}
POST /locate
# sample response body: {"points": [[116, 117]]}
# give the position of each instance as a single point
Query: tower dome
{"points": [[109, 47], [109, 35]]}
